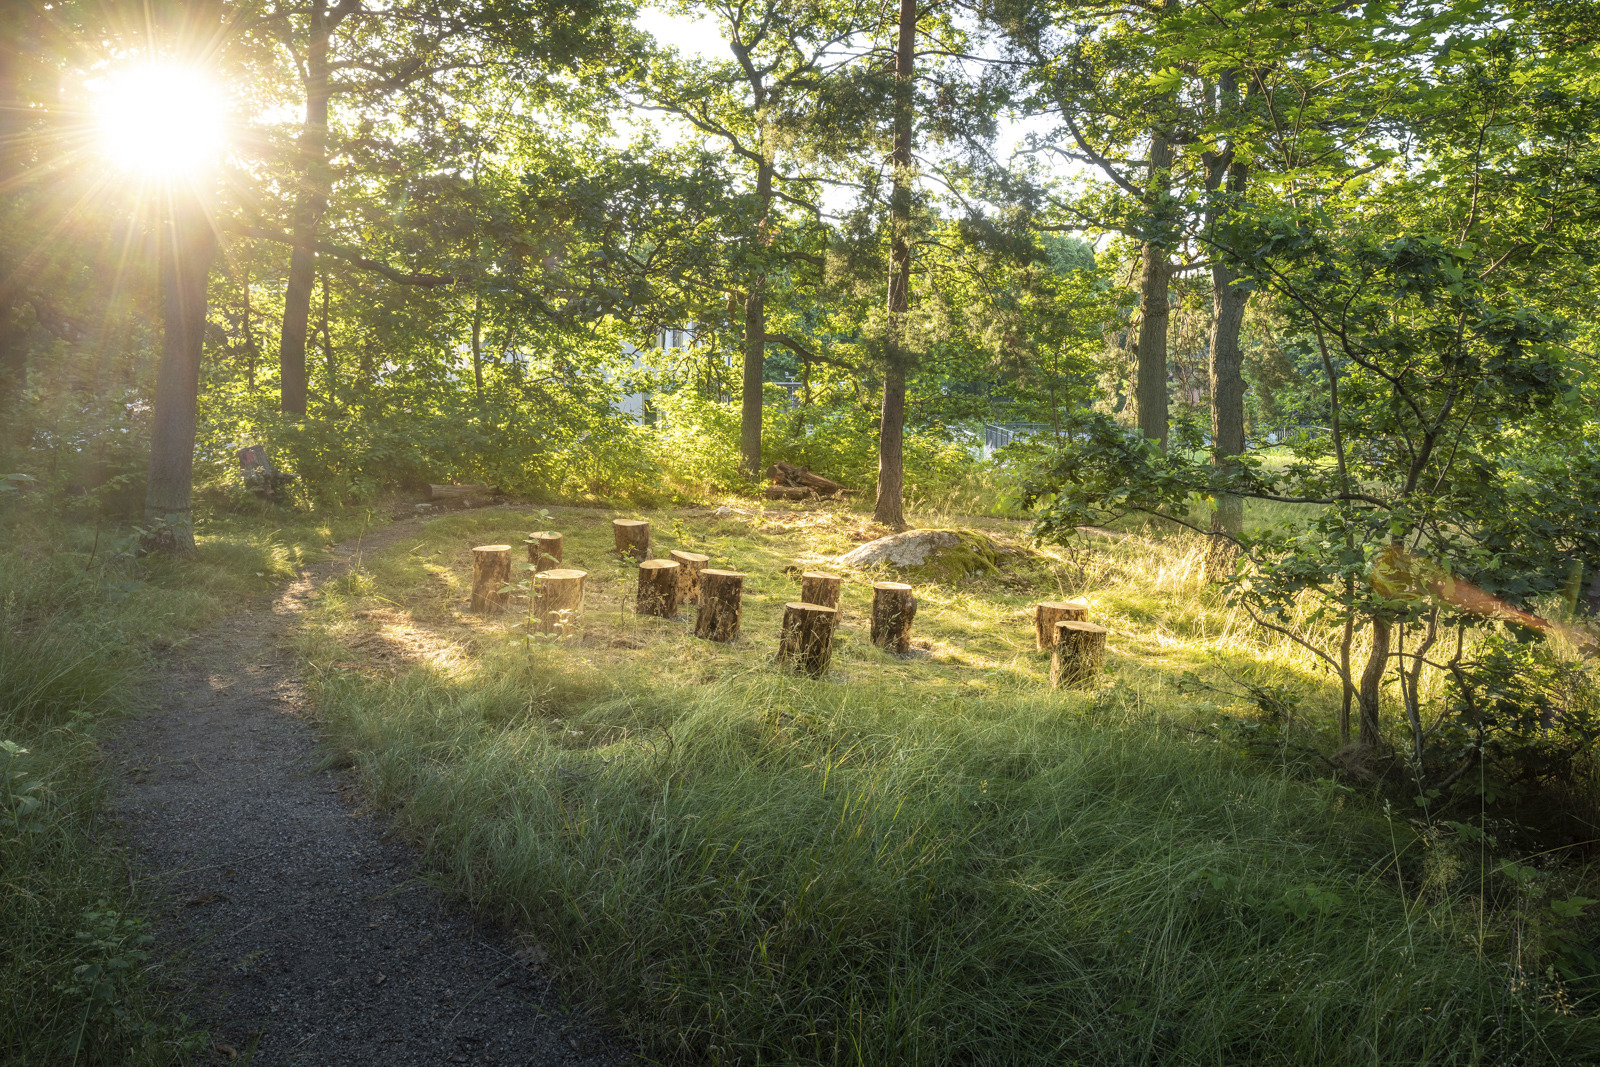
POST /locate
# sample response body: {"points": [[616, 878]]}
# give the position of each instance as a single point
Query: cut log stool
{"points": [[806, 640], [720, 596], [491, 572], [658, 588], [893, 608], [544, 550], [1046, 615], [818, 588], [1078, 654], [690, 564], [633, 537], [558, 599]]}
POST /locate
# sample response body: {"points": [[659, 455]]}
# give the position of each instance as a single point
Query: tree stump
{"points": [[690, 564], [1078, 654], [544, 550], [893, 608], [491, 572], [720, 596], [633, 537], [1047, 614], [806, 640], [558, 599], [817, 588], [658, 588]]}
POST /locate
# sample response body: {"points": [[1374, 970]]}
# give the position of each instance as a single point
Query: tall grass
{"points": [[936, 861]]}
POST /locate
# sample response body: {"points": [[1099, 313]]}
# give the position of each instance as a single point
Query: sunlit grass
{"points": [[929, 860]]}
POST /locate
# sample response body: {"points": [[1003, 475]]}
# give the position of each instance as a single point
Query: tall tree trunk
{"points": [[14, 45], [327, 352], [1228, 302], [1151, 389], [889, 508], [755, 338], [310, 205], [187, 248], [477, 345], [1367, 696]]}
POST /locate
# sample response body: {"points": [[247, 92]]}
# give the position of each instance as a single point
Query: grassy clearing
{"points": [[934, 860], [78, 615]]}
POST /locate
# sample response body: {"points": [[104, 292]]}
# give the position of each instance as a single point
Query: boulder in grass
{"points": [[937, 553]]}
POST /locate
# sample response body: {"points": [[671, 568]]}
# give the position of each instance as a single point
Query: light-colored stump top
{"points": [[1065, 605], [830, 577], [898, 587], [800, 605], [561, 575], [630, 522], [693, 557], [1080, 627], [546, 535], [720, 574], [492, 548], [658, 564]]}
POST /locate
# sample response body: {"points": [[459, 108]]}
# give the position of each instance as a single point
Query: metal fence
{"points": [[997, 435]]}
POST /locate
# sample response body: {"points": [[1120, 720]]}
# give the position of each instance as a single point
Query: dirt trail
{"points": [[308, 937]]}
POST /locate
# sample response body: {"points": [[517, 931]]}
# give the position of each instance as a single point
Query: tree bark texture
{"points": [[658, 588], [889, 509], [805, 641], [544, 550], [690, 564], [1047, 614], [755, 339], [721, 593], [558, 599], [1079, 654], [818, 588], [893, 607], [188, 245], [1150, 391], [491, 572], [1369, 693], [1228, 301], [632, 537], [311, 203]]}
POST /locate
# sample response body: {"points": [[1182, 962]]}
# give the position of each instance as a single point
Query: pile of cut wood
{"points": [[797, 483]]}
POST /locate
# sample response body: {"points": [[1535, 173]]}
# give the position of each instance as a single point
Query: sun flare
{"points": [[161, 120]]}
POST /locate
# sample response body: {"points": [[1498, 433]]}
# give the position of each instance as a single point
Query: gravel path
{"points": [[308, 937]]}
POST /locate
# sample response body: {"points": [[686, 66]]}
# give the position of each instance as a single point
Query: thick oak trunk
{"points": [[544, 550], [805, 641], [721, 593], [558, 599], [491, 572], [690, 564], [1228, 300], [1047, 614], [894, 606], [187, 248], [1079, 654], [658, 588], [632, 537]]}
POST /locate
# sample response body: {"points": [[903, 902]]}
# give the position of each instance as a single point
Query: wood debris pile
{"points": [[797, 483]]}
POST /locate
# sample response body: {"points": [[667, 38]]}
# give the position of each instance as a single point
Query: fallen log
{"points": [[790, 492], [456, 492], [788, 474]]}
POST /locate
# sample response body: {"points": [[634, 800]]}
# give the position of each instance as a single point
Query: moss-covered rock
{"points": [[933, 554]]}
